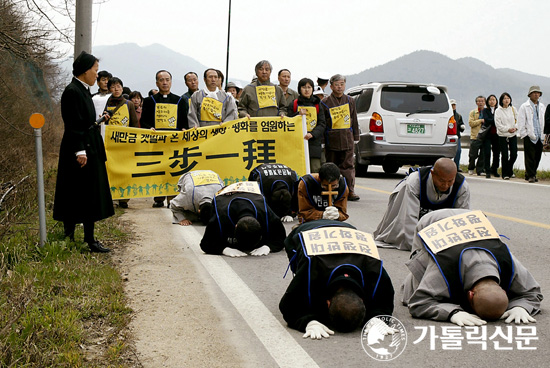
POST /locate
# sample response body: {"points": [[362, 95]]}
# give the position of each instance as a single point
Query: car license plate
{"points": [[416, 129]]}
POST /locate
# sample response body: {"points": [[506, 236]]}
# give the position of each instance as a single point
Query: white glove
{"points": [[466, 319], [316, 330], [287, 219], [261, 251], [331, 213], [232, 252], [380, 326], [518, 315]]}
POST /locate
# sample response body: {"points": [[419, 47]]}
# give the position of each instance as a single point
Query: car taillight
{"points": [[451, 128], [376, 125]]}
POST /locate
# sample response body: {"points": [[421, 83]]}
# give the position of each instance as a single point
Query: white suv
{"points": [[403, 124]]}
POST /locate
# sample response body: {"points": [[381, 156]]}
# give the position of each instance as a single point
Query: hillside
{"points": [[465, 78]]}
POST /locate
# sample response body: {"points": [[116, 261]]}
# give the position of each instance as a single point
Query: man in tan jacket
{"points": [[476, 150]]}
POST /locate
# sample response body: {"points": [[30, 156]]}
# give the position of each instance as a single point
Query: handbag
{"points": [[546, 143], [483, 132]]}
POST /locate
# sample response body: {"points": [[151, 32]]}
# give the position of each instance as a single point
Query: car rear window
{"points": [[362, 102], [409, 99]]}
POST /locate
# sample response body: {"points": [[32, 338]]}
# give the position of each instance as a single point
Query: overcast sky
{"points": [[331, 36]]}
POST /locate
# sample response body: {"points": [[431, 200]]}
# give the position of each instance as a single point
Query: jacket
{"points": [[505, 119], [525, 120]]}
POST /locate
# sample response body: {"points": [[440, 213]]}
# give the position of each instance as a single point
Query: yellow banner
{"points": [[338, 240], [143, 163], [459, 229]]}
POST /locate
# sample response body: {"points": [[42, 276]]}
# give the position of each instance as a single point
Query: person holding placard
{"points": [[308, 104], [323, 195], [339, 280], [211, 105], [261, 97], [460, 271], [242, 223], [196, 190], [424, 190]]}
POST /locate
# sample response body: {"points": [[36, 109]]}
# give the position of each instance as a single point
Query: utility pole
{"points": [[83, 27], [228, 38]]}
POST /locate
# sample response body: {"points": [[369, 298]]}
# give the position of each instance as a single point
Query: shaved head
{"points": [[488, 300], [445, 166], [444, 174]]}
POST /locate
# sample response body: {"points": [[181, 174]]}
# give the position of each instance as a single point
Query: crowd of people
{"points": [[495, 127], [473, 279]]}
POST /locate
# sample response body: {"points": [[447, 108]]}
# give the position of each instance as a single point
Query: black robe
{"points": [[81, 194], [299, 308], [229, 209]]}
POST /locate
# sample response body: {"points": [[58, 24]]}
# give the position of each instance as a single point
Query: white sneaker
{"points": [[470, 172], [513, 175]]}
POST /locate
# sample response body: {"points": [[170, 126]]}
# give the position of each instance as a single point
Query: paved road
{"points": [[251, 288]]}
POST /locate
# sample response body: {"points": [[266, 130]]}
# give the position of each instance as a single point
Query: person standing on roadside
{"points": [[506, 123], [476, 150], [309, 105], [490, 143], [530, 126], [191, 80], [284, 82], [342, 131], [459, 130], [82, 193], [211, 105], [261, 97], [164, 111]]}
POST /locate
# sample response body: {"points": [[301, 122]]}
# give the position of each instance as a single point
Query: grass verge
{"points": [[60, 305]]}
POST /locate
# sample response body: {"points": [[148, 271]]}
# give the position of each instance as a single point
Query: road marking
{"points": [[276, 338], [502, 217], [515, 219]]}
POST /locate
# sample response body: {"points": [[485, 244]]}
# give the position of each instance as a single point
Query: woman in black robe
{"points": [[82, 193]]}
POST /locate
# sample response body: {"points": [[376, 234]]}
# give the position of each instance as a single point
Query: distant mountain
{"points": [[137, 65], [465, 78]]}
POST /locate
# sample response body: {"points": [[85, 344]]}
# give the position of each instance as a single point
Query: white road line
{"points": [[276, 339]]}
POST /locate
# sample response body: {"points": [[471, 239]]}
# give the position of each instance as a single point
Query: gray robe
{"points": [[229, 109], [186, 204], [425, 291], [397, 227]]}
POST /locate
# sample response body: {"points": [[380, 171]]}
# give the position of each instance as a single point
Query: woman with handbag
{"points": [[506, 124], [490, 142]]}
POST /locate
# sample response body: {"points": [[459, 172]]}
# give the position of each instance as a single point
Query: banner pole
{"points": [[306, 144]]}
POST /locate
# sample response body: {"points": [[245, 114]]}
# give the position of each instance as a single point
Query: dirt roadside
{"points": [[177, 320]]}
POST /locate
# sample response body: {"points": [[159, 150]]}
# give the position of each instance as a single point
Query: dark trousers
{"points": [[458, 153], [69, 228], [476, 153], [344, 161], [508, 145], [532, 153], [490, 144]]}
